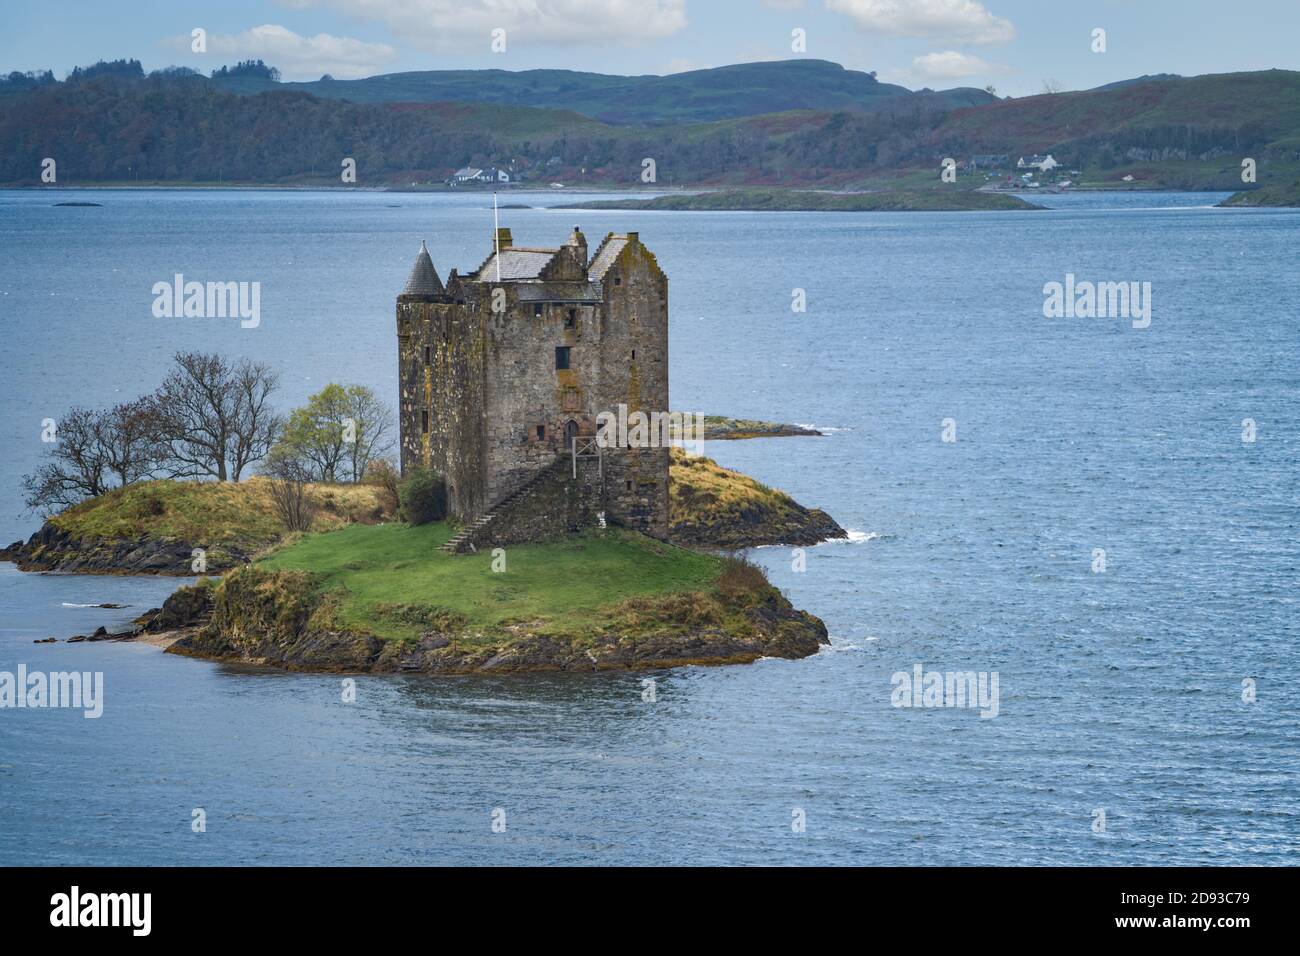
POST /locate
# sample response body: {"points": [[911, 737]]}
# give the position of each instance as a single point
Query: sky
{"points": [[1017, 46]]}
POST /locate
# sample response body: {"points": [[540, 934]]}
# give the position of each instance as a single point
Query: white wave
{"points": [[856, 537], [824, 429]]}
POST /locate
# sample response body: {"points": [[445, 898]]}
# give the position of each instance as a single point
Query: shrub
{"points": [[423, 496], [741, 577], [383, 475]]}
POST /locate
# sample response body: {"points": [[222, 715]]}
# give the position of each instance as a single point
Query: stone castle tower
{"points": [[504, 372]]}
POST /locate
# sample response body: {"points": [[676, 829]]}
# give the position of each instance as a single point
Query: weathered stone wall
{"points": [[553, 504], [634, 364], [442, 363]]}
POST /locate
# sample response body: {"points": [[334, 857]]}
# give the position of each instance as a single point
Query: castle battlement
{"points": [[502, 368]]}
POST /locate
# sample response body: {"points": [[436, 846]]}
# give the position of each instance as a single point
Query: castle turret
{"points": [[424, 281]]}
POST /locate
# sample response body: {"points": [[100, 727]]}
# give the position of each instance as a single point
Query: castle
{"points": [[505, 372]]}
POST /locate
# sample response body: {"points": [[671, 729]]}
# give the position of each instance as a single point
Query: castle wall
{"points": [[525, 392], [497, 406], [442, 362], [634, 363]]}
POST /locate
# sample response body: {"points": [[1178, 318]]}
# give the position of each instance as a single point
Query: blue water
{"points": [[1120, 691]]}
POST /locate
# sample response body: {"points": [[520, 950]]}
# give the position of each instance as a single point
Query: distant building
{"points": [[990, 161], [471, 174], [1042, 163]]}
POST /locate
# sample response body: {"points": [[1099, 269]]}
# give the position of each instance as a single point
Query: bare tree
{"points": [[94, 452], [214, 415], [78, 469], [288, 477], [1052, 86], [128, 438]]}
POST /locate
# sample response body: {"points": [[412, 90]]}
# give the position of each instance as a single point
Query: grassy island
{"points": [[803, 200]]}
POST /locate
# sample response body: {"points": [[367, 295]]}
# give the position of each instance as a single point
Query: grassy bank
{"points": [[392, 581], [211, 513]]}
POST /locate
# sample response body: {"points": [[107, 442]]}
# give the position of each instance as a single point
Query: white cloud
{"points": [[959, 21], [465, 26], [297, 57], [951, 65]]}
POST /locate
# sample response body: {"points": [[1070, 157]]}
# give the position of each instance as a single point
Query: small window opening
{"points": [[618, 280], [562, 356], [424, 421], [629, 485], [428, 355], [541, 432], [537, 311], [634, 355], [571, 319]]}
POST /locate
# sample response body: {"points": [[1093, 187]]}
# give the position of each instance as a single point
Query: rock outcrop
{"points": [[52, 549]]}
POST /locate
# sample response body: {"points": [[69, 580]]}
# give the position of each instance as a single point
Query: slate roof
{"points": [[515, 264], [424, 277], [605, 256], [559, 291]]}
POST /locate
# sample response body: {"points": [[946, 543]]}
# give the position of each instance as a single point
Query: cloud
{"points": [[951, 65], [465, 26], [958, 21], [297, 57]]}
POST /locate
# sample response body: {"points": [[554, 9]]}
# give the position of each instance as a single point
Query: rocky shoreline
{"points": [[245, 622], [52, 549]]}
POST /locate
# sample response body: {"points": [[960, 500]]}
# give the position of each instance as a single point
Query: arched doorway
{"points": [[570, 433]]}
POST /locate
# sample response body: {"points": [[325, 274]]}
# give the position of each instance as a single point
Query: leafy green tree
{"points": [[338, 433]]}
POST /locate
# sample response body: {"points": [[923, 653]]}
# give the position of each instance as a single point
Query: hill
{"points": [[117, 127], [743, 89]]}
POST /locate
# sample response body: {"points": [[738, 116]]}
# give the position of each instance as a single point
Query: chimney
{"points": [[503, 237]]}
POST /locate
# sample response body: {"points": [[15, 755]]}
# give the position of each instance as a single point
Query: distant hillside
{"points": [[1214, 119], [744, 89], [113, 124]]}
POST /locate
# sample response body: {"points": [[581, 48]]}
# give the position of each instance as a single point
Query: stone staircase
{"points": [[463, 540]]}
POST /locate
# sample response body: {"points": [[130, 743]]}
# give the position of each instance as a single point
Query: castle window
{"points": [[537, 311], [571, 319], [424, 421], [541, 432], [629, 486], [634, 355], [428, 355], [562, 356], [618, 280]]}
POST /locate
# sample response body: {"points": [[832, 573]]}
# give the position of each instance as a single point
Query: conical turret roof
{"points": [[424, 277]]}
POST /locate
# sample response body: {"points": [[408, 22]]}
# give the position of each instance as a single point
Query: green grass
{"points": [[389, 578], [208, 512]]}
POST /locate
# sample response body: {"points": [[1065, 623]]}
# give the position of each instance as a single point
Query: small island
{"points": [[548, 523], [806, 200], [1275, 194]]}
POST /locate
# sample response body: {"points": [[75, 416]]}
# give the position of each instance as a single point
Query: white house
{"points": [[1041, 163], [471, 174]]}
